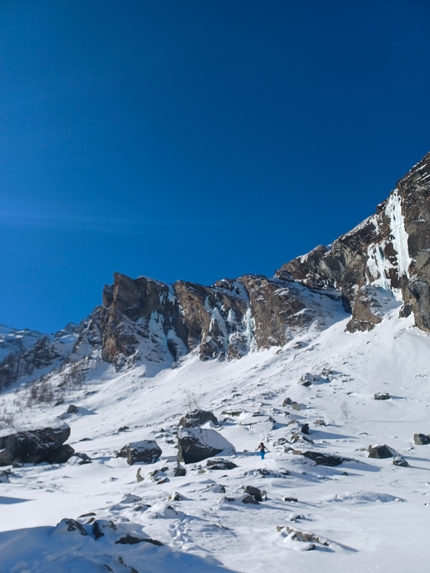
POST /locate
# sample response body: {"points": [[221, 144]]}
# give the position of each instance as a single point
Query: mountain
{"points": [[144, 320], [326, 363]]}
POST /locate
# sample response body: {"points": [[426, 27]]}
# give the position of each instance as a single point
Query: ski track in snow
{"points": [[372, 514]]}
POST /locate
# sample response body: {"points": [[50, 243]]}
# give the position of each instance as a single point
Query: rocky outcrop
{"points": [[388, 251], [36, 446], [149, 320]]}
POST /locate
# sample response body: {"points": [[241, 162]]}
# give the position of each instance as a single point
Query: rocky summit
{"points": [[384, 260]]}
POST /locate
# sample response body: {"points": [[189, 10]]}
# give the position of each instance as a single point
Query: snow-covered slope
{"points": [[13, 340], [366, 514]]}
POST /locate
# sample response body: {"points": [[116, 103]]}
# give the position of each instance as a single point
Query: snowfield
{"points": [[364, 515]]}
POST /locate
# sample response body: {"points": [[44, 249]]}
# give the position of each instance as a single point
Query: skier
{"points": [[262, 449]]}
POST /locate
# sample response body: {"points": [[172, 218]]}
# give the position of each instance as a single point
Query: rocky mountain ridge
{"points": [[388, 256]]}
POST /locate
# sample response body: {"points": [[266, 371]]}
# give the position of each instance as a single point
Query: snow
{"points": [[399, 235], [373, 515]]}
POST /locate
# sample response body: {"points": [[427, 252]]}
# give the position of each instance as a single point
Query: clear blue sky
{"points": [[195, 139]]}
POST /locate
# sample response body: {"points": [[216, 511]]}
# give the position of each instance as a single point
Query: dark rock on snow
{"points": [[421, 439], [380, 451], [197, 444], [197, 418], [399, 461], [145, 451], [220, 464], [381, 396], [325, 459], [254, 492], [36, 446]]}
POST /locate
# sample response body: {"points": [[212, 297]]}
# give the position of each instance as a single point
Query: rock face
{"points": [[36, 446], [388, 251], [147, 319], [145, 451], [197, 444]]}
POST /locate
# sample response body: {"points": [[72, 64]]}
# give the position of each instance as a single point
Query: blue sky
{"points": [[195, 139]]}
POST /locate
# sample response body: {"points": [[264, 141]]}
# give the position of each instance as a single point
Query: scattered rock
{"points": [[80, 459], [197, 418], [381, 396], [302, 536], [298, 437], [145, 451], [216, 488], [399, 461], [72, 409], [296, 406], [287, 402], [319, 423], [36, 446], [291, 499], [101, 527], [254, 492], [305, 429], [249, 499], [179, 471], [233, 413], [132, 540], [307, 379], [380, 451], [220, 464], [139, 476], [197, 444], [123, 428], [176, 497], [421, 439], [325, 459], [69, 526], [4, 477]]}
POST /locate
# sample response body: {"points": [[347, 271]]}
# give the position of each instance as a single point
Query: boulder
{"points": [[197, 444], [61, 455], [72, 409], [399, 461], [220, 464], [179, 471], [197, 418], [249, 499], [145, 451], [421, 439], [36, 446], [381, 396], [302, 536], [307, 379], [380, 451], [254, 492]]}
